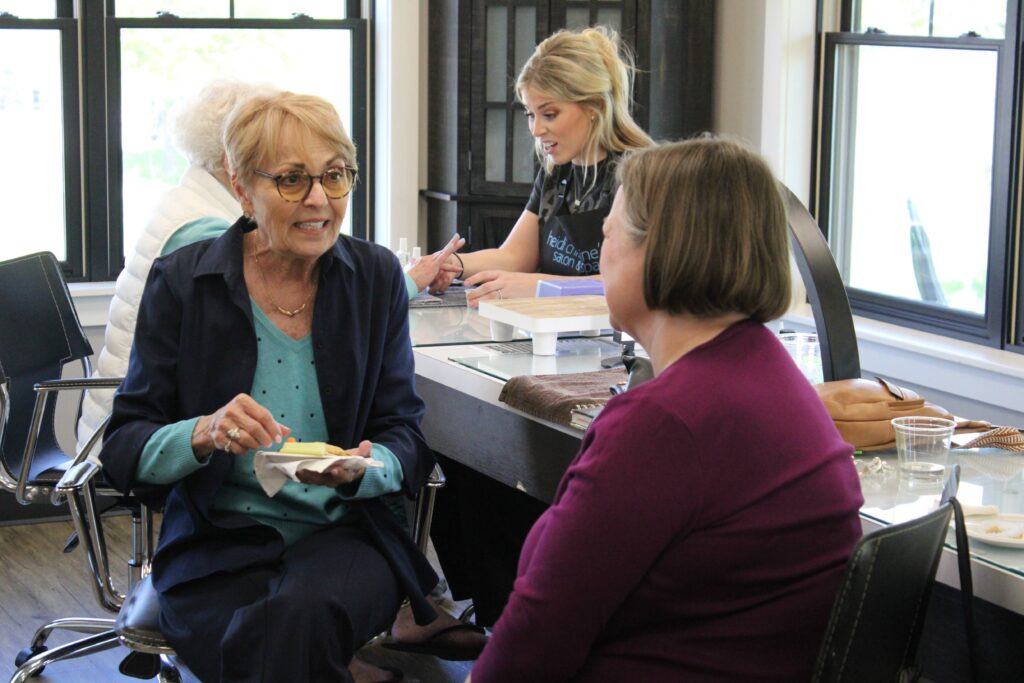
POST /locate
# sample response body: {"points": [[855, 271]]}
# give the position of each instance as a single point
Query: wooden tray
{"points": [[545, 317]]}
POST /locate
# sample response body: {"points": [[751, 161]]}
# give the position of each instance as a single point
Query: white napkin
{"points": [[979, 510], [274, 469]]}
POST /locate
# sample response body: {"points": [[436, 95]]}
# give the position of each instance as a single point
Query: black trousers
{"points": [[298, 619], [479, 527]]}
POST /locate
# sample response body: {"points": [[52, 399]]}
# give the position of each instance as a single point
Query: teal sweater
{"points": [[285, 383]]}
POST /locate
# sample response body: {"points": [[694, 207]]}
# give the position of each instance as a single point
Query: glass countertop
{"points": [[451, 325], [505, 360], [988, 476]]}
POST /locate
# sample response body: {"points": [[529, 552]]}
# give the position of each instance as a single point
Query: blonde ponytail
{"points": [[590, 68]]}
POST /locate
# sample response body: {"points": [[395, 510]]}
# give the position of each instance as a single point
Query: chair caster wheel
{"points": [[27, 654]]}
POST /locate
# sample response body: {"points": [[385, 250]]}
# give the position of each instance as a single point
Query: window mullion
{"points": [[91, 31]]}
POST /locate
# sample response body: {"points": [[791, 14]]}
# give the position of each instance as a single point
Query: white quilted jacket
{"points": [[198, 195]]}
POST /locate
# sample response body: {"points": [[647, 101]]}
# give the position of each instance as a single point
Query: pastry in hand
{"points": [[311, 448]]}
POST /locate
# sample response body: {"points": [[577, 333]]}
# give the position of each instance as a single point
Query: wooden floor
{"points": [[39, 583]]}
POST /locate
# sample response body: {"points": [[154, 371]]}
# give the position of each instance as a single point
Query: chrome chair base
{"points": [[100, 640]]}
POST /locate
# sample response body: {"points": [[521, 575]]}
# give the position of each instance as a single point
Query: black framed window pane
{"points": [[523, 157], [282, 9], [494, 150], [496, 87], [184, 9], [526, 37], [610, 16], [911, 180], [243, 9], [32, 177], [163, 67], [577, 17], [948, 18], [29, 9]]}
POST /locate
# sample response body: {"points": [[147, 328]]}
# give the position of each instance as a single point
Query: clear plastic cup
{"points": [[922, 445], [803, 348]]}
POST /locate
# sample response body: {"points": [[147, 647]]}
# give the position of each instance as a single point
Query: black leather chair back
{"points": [[879, 611], [39, 333], [833, 319]]}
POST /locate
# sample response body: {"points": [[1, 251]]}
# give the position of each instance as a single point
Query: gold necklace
{"points": [[266, 289]]}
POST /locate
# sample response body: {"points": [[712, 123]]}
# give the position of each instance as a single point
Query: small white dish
{"points": [[1005, 530], [348, 462], [273, 469]]}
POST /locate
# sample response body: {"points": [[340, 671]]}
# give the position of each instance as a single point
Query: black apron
{"points": [[570, 243]]}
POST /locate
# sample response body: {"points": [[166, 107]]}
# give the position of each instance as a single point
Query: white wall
{"points": [[764, 94], [400, 120], [739, 45]]}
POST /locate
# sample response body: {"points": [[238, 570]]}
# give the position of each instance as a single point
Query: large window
{"points": [[917, 164], [88, 123]]}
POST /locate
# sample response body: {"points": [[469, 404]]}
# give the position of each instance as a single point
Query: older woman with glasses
{"points": [[279, 327]]}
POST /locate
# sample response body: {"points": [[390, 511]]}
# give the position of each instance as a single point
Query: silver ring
{"points": [[499, 294], [234, 433]]}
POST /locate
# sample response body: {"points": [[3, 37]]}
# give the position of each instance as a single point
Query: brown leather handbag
{"points": [[862, 410]]}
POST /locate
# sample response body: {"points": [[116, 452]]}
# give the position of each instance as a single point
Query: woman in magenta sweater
{"points": [[702, 531]]}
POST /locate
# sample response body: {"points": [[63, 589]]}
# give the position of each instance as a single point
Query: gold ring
{"points": [[234, 433]]}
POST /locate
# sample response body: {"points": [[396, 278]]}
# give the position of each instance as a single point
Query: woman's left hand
{"points": [[436, 267], [337, 474], [501, 284]]}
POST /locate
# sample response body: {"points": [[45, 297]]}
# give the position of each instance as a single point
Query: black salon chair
{"points": [[41, 334], [137, 624], [826, 292], [33, 351], [879, 612]]}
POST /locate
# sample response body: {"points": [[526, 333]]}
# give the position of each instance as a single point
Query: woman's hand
{"points": [[439, 267], [444, 278], [501, 284], [337, 474], [241, 425], [428, 270]]}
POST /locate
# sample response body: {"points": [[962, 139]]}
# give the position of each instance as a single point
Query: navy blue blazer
{"points": [[195, 349]]}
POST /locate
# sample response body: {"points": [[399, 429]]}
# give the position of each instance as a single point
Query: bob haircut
{"points": [[715, 225], [592, 69], [253, 130]]}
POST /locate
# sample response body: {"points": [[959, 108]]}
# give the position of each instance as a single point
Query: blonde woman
{"points": [[576, 90]]}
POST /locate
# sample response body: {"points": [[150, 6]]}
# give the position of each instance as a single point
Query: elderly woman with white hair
{"points": [[201, 206]]}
